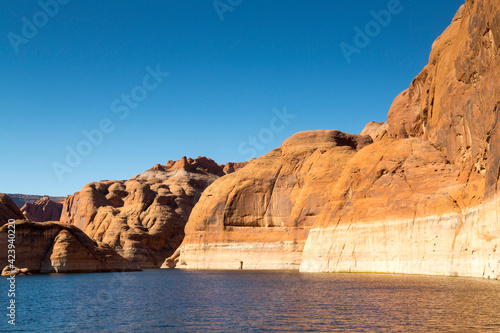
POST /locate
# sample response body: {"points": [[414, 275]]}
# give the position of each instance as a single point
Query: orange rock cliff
{"points": [[261, 214], [417, 194]]}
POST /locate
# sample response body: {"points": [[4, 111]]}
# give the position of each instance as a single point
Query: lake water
{"points": [[221, 301]]}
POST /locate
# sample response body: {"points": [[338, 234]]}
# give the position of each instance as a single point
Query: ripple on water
{"points": [[218, 301]]}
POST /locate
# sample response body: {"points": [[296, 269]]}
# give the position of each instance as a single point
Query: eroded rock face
{"points": [[52, 247], [423, 198], [454, 101], [9, 210], [431, 207], [42, 210], [143, 218], [402, 207], [261, 214]]}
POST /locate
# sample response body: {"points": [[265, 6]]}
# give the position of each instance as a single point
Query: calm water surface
{"points": [[216, 301]]}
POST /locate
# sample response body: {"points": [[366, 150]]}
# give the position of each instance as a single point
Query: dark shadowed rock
{"points": [[9, 210], [52, 247]]}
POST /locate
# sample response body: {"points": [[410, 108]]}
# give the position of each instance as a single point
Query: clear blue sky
{"points": [[225, 79]]}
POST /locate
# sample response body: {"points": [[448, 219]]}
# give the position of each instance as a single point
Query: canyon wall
{"points": [[143, 218], [452, 107], [407, 209], [422, 198]]}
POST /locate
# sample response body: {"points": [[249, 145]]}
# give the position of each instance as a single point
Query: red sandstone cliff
{"points": [[423, 198], [42, 210]]}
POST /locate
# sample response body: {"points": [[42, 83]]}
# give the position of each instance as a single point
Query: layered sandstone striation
{"points": [[421, 199], [42, 210], [259, 217], [53, 247], [434, 211], [143, 218]]}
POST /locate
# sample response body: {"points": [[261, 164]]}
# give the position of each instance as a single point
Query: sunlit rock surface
{"points": [[422, 198]]}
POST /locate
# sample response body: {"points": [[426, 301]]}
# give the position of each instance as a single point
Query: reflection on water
{"points": [[214, 301]]}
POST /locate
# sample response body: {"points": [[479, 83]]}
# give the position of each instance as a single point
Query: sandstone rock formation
{"points": [[261, 214], [52, 247], [143, 218], [451, 109], [42, 210], [423, 198], [8, 210]]}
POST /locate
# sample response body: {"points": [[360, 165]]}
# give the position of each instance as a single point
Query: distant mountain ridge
{"points": [[21, 199]]}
